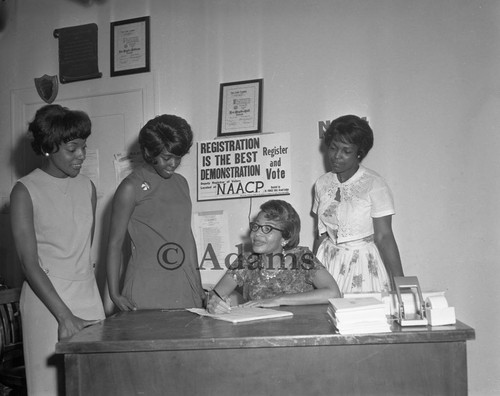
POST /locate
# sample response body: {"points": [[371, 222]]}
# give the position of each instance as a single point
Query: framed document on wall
{"points": [[240, 107], [130, 47]]}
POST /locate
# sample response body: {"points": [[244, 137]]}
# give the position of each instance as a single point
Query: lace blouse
{"points": [[345, 210]]}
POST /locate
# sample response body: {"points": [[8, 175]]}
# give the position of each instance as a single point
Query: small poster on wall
{"points": [[250, 166]]}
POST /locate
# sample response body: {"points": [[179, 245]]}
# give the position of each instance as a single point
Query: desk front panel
{"points": [[393, 369], [179, 353]]}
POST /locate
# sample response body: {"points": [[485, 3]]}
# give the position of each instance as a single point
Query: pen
{"points": [[217, 294]]}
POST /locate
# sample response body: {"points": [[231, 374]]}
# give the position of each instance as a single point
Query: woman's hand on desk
{"points": [[123, 303], [72, 324], [264, 303]]}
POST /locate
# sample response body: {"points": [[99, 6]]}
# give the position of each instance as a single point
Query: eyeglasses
{"points": [[266, 228]]}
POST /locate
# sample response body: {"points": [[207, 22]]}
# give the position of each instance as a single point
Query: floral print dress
{"points": [[345, 213], [260, 279]]}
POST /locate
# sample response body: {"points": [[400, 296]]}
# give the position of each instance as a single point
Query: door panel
{"points": [[117, 115]]}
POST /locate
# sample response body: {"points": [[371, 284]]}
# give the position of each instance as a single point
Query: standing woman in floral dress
{"points": [[354, 208]]}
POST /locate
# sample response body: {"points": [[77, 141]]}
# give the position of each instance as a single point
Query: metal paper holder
{"points": [[418, 318]]}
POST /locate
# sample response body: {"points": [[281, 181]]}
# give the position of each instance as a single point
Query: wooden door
{"points": [[118, 108]]}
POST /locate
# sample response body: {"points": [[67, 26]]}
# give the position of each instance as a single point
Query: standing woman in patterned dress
{"points": [[52, 216], [354, 208]]}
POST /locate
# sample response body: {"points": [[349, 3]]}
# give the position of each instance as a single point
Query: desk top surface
{"points": [[155, 330]]}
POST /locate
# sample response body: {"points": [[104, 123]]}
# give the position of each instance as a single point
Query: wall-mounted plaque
{"points": [[77, 53]]}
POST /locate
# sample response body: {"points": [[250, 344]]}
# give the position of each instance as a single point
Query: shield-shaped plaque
{"points": [[47, 87]]}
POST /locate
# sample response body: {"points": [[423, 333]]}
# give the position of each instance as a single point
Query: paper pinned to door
{"points": [[125, 163]]}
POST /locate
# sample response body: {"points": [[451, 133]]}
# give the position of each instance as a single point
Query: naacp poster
{"points": [[245, 166]]}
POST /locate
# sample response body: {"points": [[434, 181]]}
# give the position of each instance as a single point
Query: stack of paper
{"points": [[358, 315]]}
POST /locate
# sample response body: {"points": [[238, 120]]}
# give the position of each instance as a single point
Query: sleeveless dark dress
{"points": [[163, 267]]}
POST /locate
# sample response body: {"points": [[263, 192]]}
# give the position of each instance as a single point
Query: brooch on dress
{"points": [[145, 186]]}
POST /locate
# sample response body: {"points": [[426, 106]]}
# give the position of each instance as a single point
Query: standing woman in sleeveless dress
{"points": [[153, 206], [52, 216], [354, 208]]}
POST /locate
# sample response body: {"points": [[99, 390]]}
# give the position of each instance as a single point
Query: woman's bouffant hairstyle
{"points": [[168, 132], [351, 129], [54, 125], [285, 215]]}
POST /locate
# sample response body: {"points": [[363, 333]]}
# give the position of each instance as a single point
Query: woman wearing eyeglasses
{"points": [[277, 271]]}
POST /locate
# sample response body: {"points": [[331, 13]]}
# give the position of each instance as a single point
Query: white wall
{"points": [[425, 74]]}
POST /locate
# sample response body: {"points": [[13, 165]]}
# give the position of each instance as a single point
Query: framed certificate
{"points": [[240, 107], [130, 47]]}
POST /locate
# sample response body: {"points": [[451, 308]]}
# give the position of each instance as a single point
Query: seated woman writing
{"points": [[277, 271]]}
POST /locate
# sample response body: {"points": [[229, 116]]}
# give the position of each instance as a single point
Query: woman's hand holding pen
{"points": [[217, 304]]}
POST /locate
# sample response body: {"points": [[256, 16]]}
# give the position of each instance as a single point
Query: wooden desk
{"points": [[180, 353]]}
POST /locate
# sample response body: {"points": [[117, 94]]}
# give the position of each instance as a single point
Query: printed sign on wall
{"points": [[244, 167]]}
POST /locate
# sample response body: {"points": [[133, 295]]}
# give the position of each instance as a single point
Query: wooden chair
{"points": [[12, 373]]}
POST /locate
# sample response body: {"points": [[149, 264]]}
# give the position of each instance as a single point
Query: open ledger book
{"points": [[242, 314]]}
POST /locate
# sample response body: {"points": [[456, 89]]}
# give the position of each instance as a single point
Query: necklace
{"points": [[61, 184], [347, 174]]}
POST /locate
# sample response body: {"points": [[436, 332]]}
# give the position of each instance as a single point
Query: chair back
{"points": [[11, 339]]}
